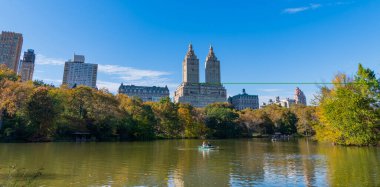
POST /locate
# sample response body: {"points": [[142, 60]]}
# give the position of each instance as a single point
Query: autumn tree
{"points": [[256, 121], [349, 111], [42, 112], [139, 121], [283, 119], [11, 92], [306, 119], [193, 126], [166, 113], [221, 119]]}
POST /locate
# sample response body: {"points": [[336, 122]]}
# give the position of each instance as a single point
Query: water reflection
{"points": [[180, 163]]}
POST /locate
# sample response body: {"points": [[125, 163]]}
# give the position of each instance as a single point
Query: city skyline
{"points": [[299, 41]]}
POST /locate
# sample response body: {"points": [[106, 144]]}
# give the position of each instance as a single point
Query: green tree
{"points": [[283, 119], [306, 119], [221, 119], [349, 112], [39, 83], [193, 126], [103, 114], [139, 120], [287, 124], [166, 113], [256, 121], [42, 112]]}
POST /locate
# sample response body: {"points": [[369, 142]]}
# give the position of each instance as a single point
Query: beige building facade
{"points": [[145, 93], [77, 72], [193, 92], [300, 97]]}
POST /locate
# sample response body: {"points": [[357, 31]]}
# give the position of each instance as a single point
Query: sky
{"points": [[144, 42]]}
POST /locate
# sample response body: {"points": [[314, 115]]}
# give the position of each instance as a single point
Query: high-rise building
{"points": [[299, 97], [77, 72], [10, 49], [200, 94], [243, 101], [212, 68], [190, 67], [26, 69], [145, 93]]}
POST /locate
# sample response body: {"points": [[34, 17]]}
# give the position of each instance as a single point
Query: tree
{"points": [[287, 124], [42, 112], [221, 119], [39, 83], [166, 113], [7, 99], [256, 121], [7, 74], [103, 114], [283, 119], [12, 92], [193, 126], [142, 123], [349, 112], [306, 118]]}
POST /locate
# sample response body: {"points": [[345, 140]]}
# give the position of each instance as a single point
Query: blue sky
{"points": [[144, 42]]}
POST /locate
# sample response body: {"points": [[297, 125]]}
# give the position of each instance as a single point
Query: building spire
{"points": [[190, 52], [211, 54]]}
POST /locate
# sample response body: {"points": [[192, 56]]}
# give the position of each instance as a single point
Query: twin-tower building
{"points": [[193, 92]]}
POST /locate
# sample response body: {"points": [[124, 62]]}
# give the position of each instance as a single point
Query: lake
{"points": [[239, 162]]}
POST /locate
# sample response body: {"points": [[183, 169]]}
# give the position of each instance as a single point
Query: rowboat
{"points": [[206, 148]]}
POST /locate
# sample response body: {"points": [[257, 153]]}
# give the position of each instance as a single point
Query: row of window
{"points": [[144, 91]]}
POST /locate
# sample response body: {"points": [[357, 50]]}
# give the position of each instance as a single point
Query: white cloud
{"points": [[270, 90], [111, 86], [265, 98], [133, 76], [124, 73], [341, 3], [295, 10], [129, 73], [314, 6], [43, 60], [301, 9]]}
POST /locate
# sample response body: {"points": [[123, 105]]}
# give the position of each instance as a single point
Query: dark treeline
{"points": [[347, 113], [34, 111]]}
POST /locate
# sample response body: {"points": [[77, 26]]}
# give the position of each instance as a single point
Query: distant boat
{"points": [[280, 137], [208, 147]]}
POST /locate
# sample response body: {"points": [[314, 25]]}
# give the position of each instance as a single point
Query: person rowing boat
{"points": [[206, 145]]}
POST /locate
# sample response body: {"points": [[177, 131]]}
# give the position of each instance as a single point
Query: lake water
{"points": [[241, 162]]}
